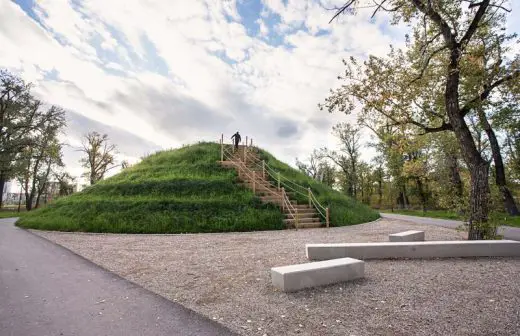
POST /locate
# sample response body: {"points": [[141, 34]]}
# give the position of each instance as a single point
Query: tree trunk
{"points": [[29, 196], [479, 204], [422, 193], [500, 175], [2, 184], [20, 200], [478, 167], [402, 199], [37, 201], [455, 178], [28, 201], [380, 193]]}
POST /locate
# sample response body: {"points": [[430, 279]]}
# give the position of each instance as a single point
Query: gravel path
{"points": [[226, 277]]}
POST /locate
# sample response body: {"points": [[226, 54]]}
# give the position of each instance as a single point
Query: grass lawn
{"points": [[444, 214], [181, 191], [11, 213]]}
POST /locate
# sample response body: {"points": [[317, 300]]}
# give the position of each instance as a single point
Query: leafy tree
{"points": [[365, 182], [416, 166], [378, 174], [327, 174], [447, 168], [389, 144], [348, 157], [19, 116], [65, 182], [99, 156], [431, 86], [37, 162], [508, 121]]}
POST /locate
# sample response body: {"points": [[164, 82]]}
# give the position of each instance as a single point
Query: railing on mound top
{"points": [[246, 155]]}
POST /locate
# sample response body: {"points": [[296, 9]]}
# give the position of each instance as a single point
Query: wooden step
{"points": [[306, 215], [314, 219], [257, 180], [273, 199], [307, 210], [303, 206], [258, 185], [270, 198]]}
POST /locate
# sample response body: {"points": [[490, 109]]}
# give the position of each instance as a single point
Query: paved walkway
{"points": [[48, 290], [508, 232]]}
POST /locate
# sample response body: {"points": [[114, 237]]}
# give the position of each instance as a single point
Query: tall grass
{"points": [[179, 191]]}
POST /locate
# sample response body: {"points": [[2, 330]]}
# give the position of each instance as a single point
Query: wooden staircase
{"points": [[253, 176]]}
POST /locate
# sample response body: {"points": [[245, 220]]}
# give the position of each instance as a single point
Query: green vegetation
{"points": [[343, 209], [444, 214], [179, 191], [511, 221], [11, 214], [501, 218]]}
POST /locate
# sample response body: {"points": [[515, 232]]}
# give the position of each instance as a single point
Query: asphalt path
{"points": [[47, 290], [507, 232]]}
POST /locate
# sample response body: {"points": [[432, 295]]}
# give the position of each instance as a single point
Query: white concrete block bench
{"points": [[295, 277], [407, 236], [428, 249]]}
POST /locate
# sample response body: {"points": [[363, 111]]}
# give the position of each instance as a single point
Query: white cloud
{"points": [[174, 72]]}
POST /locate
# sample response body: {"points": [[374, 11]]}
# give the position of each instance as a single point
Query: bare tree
{"points": [[99, 156], [311, 168]]}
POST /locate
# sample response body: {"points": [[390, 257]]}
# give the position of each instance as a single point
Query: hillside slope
{"points": [[180, 191]]}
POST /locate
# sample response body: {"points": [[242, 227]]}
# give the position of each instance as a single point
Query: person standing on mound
{"points": [[237, 138]]}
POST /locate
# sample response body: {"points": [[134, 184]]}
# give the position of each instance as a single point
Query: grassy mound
{"points": [[343, 210], [180, 191]]}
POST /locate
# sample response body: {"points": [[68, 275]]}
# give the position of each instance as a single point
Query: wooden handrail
{"points": [[249, 156]]}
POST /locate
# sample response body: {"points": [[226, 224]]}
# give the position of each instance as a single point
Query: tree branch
{"points": [[342, 9], [423, 69], [475, 22], [487, 91], [441, 23]]}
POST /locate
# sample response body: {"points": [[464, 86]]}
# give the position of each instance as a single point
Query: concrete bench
{"points": [[428, 249], [295, 277], [407, 236]]}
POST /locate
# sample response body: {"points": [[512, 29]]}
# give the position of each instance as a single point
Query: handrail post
{"points": [[254, 189], [278, 180], [310, 194], [327, 217], [222, 147], [245, 149], [251, 142], [296, 218], [263, 169], [283, 199]]}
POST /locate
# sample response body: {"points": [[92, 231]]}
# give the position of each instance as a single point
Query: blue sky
{"points": [[159, 74]]}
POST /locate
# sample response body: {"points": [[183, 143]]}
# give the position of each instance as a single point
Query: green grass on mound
{"points": [[343, 209], [179, 191]]}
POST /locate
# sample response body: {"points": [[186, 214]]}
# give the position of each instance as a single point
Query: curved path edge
{"points": [[46, 289], [507, 232]]}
